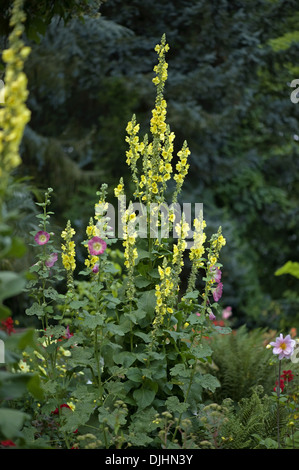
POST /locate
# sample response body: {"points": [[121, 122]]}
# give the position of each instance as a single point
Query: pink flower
{"points": [[216, 274], [68, 334], [284, 347], [95, 269], [212, 316], [51, 260], [42, 237], [226, 313], [96, 246], [217, 292]]}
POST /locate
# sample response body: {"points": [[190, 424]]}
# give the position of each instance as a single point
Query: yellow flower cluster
{"points": [[119, 190], [14, 115], [217, 242], [158, 154], [161, 68], [91, 231], [198, 249], [164, 294], [182, 168], [68, 252], [182, 230], [130, 236], [131, 253]]}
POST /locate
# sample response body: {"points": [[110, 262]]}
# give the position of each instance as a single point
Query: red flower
{"points": [[219, 323], [287, 376], [7, 326], [7, 443], [281, 385], [64, 405]]}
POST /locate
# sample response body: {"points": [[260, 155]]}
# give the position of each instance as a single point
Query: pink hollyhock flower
{"points": [[51, 260], [226, 313], [212, 316], [68, 334], [217, 292], [42, 237], [96, 246], [284, 347], [216, 274], [95, 269]]}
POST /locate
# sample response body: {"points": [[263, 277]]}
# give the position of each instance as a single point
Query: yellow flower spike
{"points": [[68, 255], [14, 114]]}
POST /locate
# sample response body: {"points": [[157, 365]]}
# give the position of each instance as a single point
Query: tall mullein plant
{"points": [[176, 315], [151, 178]]}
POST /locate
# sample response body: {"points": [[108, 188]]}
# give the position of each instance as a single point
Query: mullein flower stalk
{"points": [[68, 254], [157, 154], [164, 295], [197, 251], [14, 115], [131, 253]]}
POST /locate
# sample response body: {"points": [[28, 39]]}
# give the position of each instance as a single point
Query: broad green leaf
{"points": [[11, 422], [180, 370], [126, 359], [11, 284], [147, 301], [207, 381], [35, 309], [144, 397], [175, 406], [134, 374]]}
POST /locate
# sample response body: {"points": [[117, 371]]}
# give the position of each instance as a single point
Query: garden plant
{"points": [[122, 352]]}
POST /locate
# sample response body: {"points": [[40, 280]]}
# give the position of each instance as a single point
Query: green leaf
{"points": [[147, 301], [115, 329], [175, 406], [207, 381], [78, 417], [144, 397], [134, 374], [201, 351], [11, 422], [35, 309], [141, 282], [11, 284], [126, 359], [146, 338], [4, 312], [223, 330], [17, 249], [180, 370], [289, 267], [191, 295], [76, 304]]}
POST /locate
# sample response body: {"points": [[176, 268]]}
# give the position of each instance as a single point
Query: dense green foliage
{"points": [[125, 341], [228, 95]]}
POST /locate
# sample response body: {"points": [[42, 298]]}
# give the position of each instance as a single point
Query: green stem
{"points": [[278, 396], [96, 354]]}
